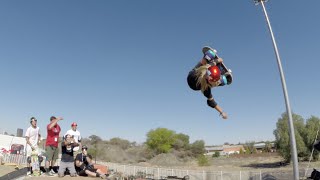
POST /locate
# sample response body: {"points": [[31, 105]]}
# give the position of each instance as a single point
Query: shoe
{"points": [[29, 173], [49, 173], [103, 176], [52, 171]]}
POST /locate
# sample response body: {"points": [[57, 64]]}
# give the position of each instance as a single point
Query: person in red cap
{"points": [[206, 75], [76, 136]]}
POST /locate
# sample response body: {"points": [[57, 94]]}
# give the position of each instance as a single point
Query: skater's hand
{"points": [[32, 148], [224, 115], [220, 60]]}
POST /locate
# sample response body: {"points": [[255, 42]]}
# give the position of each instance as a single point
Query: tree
{"points": [[250, 149], [181, 141], [281, 133], [160, 140], [124, 144], [94, 140], [216, 154], [198, 148], [241, 151], [312, 126], [267, 147]]}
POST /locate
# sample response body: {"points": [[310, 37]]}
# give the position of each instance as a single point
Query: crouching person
{"points": [[67, 161], [84, 165]]}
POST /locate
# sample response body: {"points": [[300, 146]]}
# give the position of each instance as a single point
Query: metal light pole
{"points": [[294, 155]]}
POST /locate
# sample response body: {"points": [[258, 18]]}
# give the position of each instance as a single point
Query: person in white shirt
{"points": [[76, 136], [33, 139]]}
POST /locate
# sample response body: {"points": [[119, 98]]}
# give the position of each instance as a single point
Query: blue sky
{"points": [[119, 68]]}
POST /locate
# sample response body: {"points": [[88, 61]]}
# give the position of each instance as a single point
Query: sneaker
{"points": [[103, 176], [49, 173], [53, 172], [29, 173]]}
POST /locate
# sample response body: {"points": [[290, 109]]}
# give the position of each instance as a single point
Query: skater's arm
{"points": [[212, 103], [223, 114]]}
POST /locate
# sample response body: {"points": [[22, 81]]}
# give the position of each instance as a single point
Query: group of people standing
{"points": [[74, 157]]}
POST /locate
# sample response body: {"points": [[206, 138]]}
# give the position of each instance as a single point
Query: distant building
{"points": [[232, 149], [224, 149], [235, 149], [261, 146], [19, 132]]}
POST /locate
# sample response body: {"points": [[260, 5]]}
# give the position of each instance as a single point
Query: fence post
{"points": [[134, 170], [221, 175], [158, 173], [171, 172], [260, 175], [240, 175], [203, 175]]}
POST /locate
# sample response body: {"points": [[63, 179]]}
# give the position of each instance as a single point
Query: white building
{"points": [[13, 143]]}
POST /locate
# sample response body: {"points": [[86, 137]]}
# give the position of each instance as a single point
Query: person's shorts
{"points": [[52, 153]]}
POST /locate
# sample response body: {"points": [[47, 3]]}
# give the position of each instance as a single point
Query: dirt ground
{"points": [[5, 169]]}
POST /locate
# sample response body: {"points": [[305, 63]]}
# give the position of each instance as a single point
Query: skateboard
{"points": [[227, 73], [35, 163]]}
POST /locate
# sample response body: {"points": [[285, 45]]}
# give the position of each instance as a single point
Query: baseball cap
{"points": [[74, 124]]}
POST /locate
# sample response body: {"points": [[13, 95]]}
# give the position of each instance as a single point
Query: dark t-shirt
{"points": [[67, 153], [80, 157]]}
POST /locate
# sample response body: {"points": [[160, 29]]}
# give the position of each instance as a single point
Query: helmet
{"points": [[214, 73]]}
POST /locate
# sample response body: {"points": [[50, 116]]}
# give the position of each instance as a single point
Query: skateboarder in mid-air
{"points": [[208, 73]]}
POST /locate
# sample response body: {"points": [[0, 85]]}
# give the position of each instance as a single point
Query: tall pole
{"points": [[294, 155]]}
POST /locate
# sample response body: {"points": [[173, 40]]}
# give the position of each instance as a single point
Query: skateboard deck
{"points": [[223, 69], [35, 164]]}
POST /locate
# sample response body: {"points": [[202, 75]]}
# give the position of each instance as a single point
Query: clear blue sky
{"points": [[118, 68]]}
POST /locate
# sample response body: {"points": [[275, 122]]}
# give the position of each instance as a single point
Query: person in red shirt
{"points": [[52, 142]]}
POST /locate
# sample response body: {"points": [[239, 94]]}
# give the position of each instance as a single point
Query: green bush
{"points": [[203, 160], [216, 154], [160, 140]]}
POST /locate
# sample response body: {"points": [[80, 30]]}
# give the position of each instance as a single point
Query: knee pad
{"points": [[212, 103]]}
